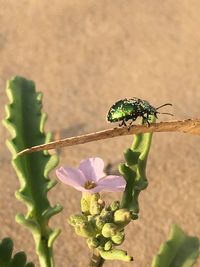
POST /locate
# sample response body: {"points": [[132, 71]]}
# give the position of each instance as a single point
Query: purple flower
{"points": [[90, 178]]}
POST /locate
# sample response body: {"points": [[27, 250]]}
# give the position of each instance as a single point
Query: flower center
{"points": [[89, 185]]}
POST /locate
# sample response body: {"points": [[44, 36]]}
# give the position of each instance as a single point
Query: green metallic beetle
{"points": [[130, 109]]}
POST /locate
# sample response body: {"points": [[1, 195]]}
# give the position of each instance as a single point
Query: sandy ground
{"points": [[84, 55]]}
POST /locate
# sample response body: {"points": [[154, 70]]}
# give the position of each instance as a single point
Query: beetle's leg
{"points": [[132, 120], [122, 123], [146, 120], [129, 126]]}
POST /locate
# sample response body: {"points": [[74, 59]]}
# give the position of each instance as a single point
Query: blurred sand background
{"points": [[85, 55]]}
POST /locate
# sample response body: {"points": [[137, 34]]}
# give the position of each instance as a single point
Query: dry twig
{"points": [[191, 126]]}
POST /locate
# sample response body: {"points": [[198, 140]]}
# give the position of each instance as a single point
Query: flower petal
{"points": [[72, 177], [112, 183], [92, 168]]}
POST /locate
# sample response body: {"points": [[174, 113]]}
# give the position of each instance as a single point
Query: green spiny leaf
{"points": [[6, 259], [25, 122], [19, 259], [6, 248], [181, 250]]}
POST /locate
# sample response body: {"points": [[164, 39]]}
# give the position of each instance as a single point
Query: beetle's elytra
{"points": [[132, 108]]}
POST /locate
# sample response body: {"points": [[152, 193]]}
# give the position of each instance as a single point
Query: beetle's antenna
{"points": [[167, 104], [165, 113]]}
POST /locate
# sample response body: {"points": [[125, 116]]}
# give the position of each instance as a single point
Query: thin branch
{"points": [[190, 126], [96, 260]]}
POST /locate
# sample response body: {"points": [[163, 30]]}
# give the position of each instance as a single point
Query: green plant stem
{"points": [[45, 254], [96, 260]]}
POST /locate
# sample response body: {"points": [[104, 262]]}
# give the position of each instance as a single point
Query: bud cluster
{"points": [[103, 227]]}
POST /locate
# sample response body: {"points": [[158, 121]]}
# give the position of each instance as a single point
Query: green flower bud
{"points": [[96, 204], [115, 254], [95, 197], [91, 219], [77, 219], [92, 242], [122, 217], [85, 229], [100, 222], [85, 204], [108, 245], [118, 238], [115, 205], [109, 229], [107, 215]]}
